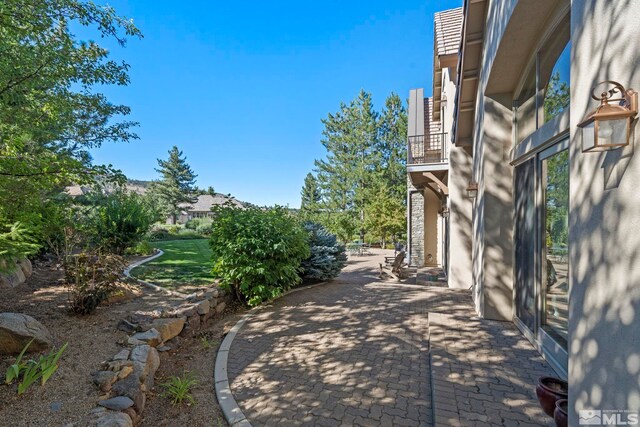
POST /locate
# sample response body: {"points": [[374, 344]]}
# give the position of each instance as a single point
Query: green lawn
{"points": [[185, 264]]}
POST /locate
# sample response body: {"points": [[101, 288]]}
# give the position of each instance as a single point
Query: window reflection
{"points": [[556, 243], [545, 90], [556, 91]]}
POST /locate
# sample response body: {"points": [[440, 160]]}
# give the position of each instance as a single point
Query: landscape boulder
{"points": [[26, 267], [12, 278], [122, 355], [118, 403], [220, 307], [104, 379], [185, 310], [132, 388], [151, 337], [114, 419], [169, 327], [146, 362], [17, 329], [203, 307]]}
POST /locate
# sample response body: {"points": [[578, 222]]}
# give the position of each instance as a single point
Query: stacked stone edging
{"points": [[127, 377]]}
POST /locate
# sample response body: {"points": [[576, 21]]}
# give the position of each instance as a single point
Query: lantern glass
{"points": [[472, 191], [589, 136], [611, 133]]}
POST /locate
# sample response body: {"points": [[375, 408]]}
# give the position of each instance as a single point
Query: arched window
{"points": [[544, 91]]}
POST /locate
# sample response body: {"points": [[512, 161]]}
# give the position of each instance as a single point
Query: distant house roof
{"points": [[79, 190], [205, 202], [75, 190]]}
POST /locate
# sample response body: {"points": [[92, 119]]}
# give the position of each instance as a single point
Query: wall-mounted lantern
{"points": [[609, 126], [472, 190]]}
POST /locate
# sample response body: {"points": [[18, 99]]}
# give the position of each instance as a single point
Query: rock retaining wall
{"points": [[125, 379]]}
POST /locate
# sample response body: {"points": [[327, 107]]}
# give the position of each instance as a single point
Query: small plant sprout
{"points": [[30, 371], [14, 371], [178, 389], [208, 343], [49, 363]]}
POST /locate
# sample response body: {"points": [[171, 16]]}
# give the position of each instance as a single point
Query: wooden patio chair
{"points": [[389, 260], [397, 269]]}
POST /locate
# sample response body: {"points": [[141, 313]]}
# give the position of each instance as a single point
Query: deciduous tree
{"points": [[51, 112]]}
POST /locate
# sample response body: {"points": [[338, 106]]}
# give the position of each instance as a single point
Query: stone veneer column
{"points": [[432, 238], [416, 227]]}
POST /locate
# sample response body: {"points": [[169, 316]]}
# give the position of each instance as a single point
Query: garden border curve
{"points": [[230, 408]]}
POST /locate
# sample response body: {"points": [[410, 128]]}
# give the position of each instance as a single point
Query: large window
{"points": [[525, 216], [544, 91], [555, 243]]}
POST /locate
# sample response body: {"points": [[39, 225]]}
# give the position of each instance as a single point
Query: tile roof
{"points": [[430, 126], [448, 31]]}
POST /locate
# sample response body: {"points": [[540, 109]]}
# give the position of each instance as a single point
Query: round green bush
{"points": [[257, 252]]}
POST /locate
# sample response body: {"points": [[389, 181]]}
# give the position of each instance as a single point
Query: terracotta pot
{"points": [[549, 390], [560, 414]]}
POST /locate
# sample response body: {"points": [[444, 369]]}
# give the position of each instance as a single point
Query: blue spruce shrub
{"points": [[328, 257]]}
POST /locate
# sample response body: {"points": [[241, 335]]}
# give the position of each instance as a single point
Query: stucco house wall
{"points": [[604, 218], [604, 239], [458, 271], [493, 217]]}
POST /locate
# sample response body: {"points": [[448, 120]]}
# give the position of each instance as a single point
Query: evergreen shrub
{"points": [[328, 256]]}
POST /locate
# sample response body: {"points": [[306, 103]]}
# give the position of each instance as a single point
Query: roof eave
{"points": [[468, 70]]}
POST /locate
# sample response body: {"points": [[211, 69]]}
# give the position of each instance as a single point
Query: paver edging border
{"points": [[230, 408]]}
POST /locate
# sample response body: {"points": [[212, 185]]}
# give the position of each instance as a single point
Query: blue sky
{"points": [[241, 87]]}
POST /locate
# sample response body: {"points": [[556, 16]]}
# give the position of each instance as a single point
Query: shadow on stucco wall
{"points": [[604, 319]]}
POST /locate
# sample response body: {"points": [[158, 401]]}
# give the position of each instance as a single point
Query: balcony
{"points": [[427, 149]]}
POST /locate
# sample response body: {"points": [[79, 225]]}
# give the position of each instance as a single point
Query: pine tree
{"points": [[393, 147], [310, 198], [351, 140], [386, 215], [176, 185], [327, 257]]}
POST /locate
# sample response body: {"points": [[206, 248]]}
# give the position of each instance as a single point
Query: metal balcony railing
{"points": [[424, 149]]}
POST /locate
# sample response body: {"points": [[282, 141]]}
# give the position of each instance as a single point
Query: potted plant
{"points": [[560, 413], [549, 390]]}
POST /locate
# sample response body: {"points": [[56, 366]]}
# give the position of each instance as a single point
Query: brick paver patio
{"points": [[356, 352]]}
